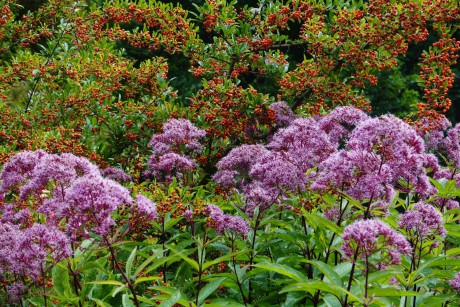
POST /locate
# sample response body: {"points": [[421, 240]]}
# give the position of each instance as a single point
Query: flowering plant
{"points": [[223, 153]]}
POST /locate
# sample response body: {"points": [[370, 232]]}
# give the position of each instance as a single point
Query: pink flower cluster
{"points": [[116, 174], [367, 158], [61, 187], [171, 149], [372, 237], [73, 200], [24, 253], [226, 222], [455, 283], [422, 221]]}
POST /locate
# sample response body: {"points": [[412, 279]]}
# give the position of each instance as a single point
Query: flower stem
{"points": [[120, 269], [236, 273], [366, 285], [201, 256], [252, 254], [350, 280], [76, 283], [44, 287]]}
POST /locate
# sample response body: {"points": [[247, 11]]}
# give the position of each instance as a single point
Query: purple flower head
{"points": [[257, 195], [431, 164], [399, 148], [10, 238], [433, 137], [446, 203], [91, 202], [10, 214], [177, 133], [235, 166], [225, 222], [45, 176], [388, 133], [24, 252], [241, 158], [394, 282], [388, 136], [146, 209], [359, 173], [170, 165], [304, 142], [341, 121], [455, 283], [15, 291], [37, 244], [371, 238], [450, 146], [422, 221], [332, 214], [284, 114], [237, 224], [18, 169], [160, 144], [179, 136], [227, 178], [81, 165], [61, 170], [188, 214], [277, 170], [116, 174]]}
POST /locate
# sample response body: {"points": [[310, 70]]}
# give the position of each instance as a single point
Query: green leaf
{"points": [[119, 289], [422, 267], [383, 292], [190, 261], [437, 300], [147, 262], [164, 260], [126, 301], [145, 300], [282, 269], [100, 303], [224, 302], [209, 289], [452, 230], [144, 279], [312, 286], [453, 251], [175, 297], [183, 300], [331, 300], [61, 283], [317, 220], [106, 282], [221, 259], [438, 261], [375, 276], [129, 262], [171, 222], [93, 265], [327, 270], [343, 269]]}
